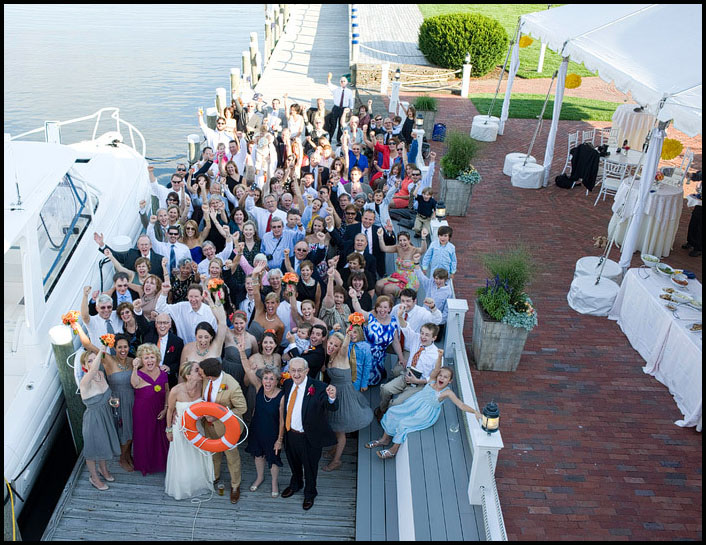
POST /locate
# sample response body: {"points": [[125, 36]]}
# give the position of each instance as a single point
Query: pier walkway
{"points": [[389, 33], [315, 43]]}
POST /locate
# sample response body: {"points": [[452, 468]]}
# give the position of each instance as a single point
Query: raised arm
{"points": [[356, 303], [384, 247], [85, 316], [85, 341], [220, 314], [437, 366], [328, 301]]}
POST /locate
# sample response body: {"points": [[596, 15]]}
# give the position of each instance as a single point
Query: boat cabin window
{"points": [[63, 222]]}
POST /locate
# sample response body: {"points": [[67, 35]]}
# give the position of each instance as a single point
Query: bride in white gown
{"points": [[189, 473]]}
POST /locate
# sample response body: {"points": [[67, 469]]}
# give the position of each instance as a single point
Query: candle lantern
{"points": [[468, 58], [440, 210], [420, 120], [397, 74], [491, 417]]}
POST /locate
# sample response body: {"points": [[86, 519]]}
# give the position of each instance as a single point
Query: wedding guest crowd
{"points": [[261, 285]]}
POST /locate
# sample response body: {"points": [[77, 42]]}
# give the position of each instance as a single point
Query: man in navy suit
{"points": [[307, 402], [169, 344]]}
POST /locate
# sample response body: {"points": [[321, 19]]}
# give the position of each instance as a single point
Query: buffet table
{"points": [[663, 339], [661, 217]]}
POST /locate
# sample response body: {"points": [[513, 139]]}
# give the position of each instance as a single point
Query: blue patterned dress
{"points": [[380, 337]]}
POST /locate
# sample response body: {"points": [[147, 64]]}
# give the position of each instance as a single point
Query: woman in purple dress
{"points": [[150, 445]]}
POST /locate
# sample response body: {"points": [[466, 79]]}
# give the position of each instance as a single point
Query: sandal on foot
{"points": [[107, 477], [385, 454], [101, 488], [376, 443], [275, 494], [254, 487]]}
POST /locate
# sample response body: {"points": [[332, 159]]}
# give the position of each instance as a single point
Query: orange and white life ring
{"points": [[205, 408]]}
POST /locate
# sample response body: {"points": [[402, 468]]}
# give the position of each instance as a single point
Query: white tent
{"points": [[652, 51]]}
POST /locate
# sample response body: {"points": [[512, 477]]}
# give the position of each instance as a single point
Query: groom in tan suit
{"points": [[221, 388]]}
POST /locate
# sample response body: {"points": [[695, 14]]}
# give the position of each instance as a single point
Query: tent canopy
{"points": [[652, 51]]}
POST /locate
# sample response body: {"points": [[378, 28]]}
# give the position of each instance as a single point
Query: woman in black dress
{"points": [[267, 424]]}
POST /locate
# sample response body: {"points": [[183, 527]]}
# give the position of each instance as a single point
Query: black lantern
{"points": [[440, 210], [491, 418], [420, 120], [397, 74]]}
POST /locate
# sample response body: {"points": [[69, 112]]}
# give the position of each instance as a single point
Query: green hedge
{"points": [[445, 40]]}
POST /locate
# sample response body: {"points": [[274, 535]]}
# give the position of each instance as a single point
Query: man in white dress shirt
{"points": [[209, 251], [187, 314], [264, 216], [415, 315], [342, 98], [106, 321], [406, 383], [220, 136], [173, 250]]}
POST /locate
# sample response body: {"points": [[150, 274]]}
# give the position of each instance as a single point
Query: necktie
{"points": [[269, 224], [210, 390], [290, 406], [343, 94], [402, 334], [353, 362], [172, 259], [415, 358], [370, 239], [159, 343], [109, 329]]}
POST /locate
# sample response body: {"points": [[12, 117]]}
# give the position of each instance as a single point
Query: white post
{"points": [[435, 224], [247, 70], [394, 97], [221, 100], [542, 51], [384, 78], [454, 335], [268, 36], [419, 135], [234, 82], [253, 59], [276, 28], [466, 80]]}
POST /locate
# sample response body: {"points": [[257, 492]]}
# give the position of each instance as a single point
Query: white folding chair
{"points": [[609, 136], [573, 142], [677, 177], [587, 136], [613, 175]]}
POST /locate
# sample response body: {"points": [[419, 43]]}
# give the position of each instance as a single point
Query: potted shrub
{"points": [[457, 174], [504, 314], [426, 105]]}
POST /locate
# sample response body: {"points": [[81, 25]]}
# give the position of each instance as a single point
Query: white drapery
{"points": [[514, 65], [556, 113], [649, 170]]}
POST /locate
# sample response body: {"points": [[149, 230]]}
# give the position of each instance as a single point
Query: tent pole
{"points": [[502, 72], [541, 116]]}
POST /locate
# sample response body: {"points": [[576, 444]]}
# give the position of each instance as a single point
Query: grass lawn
{"points": [[507, 15], [526, 106]]}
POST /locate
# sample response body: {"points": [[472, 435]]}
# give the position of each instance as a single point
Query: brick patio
{"points": [[591, 449]]}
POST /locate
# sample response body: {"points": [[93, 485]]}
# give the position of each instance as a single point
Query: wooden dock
{"points": [[389, 33], [315, 43]]}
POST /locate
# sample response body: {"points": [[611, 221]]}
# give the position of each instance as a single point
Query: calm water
{"points": [[157, 63]]}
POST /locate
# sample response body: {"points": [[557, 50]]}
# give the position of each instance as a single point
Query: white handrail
{"points": [[115, 115]]}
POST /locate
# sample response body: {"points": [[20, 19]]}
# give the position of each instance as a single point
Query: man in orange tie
{"points": [[409, 380], [306, 428], [221, 388]]}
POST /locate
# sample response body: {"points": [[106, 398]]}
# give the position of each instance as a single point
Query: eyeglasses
{"points": [[296, 371], [350, 213], [181, 168], [109, 307], [220, 124], [300, 249], [163, 323]]}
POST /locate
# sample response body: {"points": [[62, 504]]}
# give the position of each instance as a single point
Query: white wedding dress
{"points": [[189, 473]]}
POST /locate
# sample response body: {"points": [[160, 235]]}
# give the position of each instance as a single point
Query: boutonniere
{"points": [[171, 349], [224, 387], [311, 391]]}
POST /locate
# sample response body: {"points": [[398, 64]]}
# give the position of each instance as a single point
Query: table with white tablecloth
{"points": [[671, 351], [633, 126], [660, 220]]}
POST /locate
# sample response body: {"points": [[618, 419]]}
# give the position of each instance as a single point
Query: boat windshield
{"points": [[63, 221]]}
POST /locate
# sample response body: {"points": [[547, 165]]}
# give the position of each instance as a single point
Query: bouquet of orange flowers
{"points": [[356, 319], [290, 278], [108, 340], [284, 377], [70, 318], [214, 286]]}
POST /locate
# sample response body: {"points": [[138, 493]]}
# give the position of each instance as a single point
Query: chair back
{"points": [[573, 140], [609, 136], [587, 136], [614, 173], [677, 177]]}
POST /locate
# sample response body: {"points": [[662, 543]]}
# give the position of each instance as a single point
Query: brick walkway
{"points": [[591, 450]]}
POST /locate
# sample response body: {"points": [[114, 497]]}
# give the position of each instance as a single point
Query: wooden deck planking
{"points": [[314, 44], [392, 30], [136, 508]]}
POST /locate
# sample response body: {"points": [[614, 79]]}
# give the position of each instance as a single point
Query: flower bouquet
{"points": [[70, 318], [356, 319], [284, 377], [108, 340], [290, 278], [215, 287]]}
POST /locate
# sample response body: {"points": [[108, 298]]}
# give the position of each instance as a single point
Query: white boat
{"points": [[56, 196]]}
